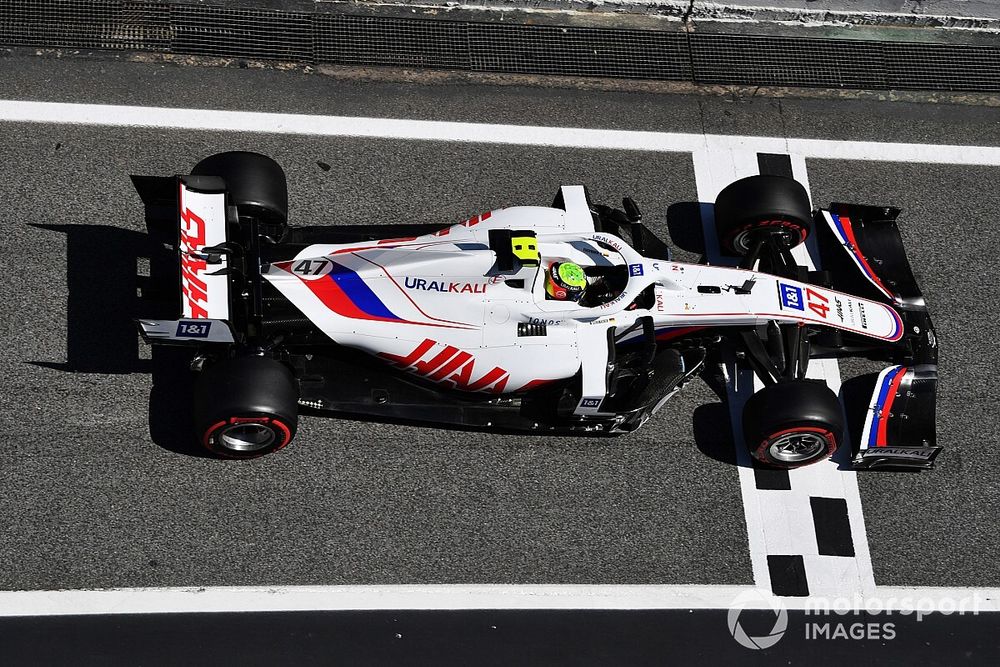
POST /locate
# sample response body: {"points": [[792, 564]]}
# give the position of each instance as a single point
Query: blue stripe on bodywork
{"points": [[840, 227], [850, 246], [897, 323], [880, 402], [359, 293]]}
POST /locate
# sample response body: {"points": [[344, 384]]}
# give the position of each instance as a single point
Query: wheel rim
{"points": [[743, 240], [247, 437], [797, 447]]}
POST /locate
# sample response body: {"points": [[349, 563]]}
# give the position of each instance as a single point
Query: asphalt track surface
{"points": [[101, 491]]}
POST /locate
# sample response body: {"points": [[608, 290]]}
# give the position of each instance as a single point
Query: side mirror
{"points": [[631, 209]]}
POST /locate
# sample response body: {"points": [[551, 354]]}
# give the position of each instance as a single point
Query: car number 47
{"points": [[817, 302], [311, 267]]}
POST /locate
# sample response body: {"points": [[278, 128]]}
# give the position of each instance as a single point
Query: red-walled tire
{"points": [[756, 203], [793, 423], [246, 407]]}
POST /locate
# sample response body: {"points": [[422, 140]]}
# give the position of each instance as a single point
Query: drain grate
{"points": [[318, 37], [241, 33], [772, 61], [527, 49], [131, 26], [366, 40]]}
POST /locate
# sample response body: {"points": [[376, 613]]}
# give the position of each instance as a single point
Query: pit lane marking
{"points": [[106, 115], [444, 596], [785, 554]]}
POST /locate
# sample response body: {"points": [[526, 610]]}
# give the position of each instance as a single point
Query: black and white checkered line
{"points": [[805, 527]]}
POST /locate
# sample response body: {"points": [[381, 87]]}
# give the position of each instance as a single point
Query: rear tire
{"points": [[256, 186], [246, 407], [793, 423], [756, 203]]}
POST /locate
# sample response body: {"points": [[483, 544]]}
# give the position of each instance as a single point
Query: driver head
{"points": [[565, 281]]}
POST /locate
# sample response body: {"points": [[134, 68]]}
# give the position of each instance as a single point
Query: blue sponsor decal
{"points": [[791, 296], [186, 329], [635, 269], [591, 402]]}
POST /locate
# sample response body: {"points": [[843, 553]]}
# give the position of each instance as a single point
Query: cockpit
{"points": [[561, 273]]}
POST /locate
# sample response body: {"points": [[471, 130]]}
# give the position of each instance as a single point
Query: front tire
{"points": [[793, 423], [758, 204], [246, 407]]}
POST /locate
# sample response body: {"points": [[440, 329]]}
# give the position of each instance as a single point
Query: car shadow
{"points": [[102, 299], [106, 294], [855, 393], [684, 224], [713, 433]]}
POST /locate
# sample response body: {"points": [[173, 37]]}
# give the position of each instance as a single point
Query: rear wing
{"points": [[201, 225]]}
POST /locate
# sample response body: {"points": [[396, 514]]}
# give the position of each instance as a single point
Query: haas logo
{"points": [[449, 365], [192, 267]]}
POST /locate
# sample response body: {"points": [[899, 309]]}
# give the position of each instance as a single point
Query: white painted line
{"points": [[457, 597], [780, 522], [829, 575], [714, 169], [522, 135]]}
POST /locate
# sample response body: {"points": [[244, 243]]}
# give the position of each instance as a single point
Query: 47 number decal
{"points": [[797, 298], [311, 267], [817, 302]]}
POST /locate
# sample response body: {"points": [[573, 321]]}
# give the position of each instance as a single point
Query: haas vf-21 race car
{"points": [[562, 319]]}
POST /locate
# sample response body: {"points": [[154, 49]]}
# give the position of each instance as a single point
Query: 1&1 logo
{"points": [[752, 599]]}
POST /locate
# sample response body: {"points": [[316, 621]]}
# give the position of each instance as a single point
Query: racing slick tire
{"points": [[756, 203], [245, 407], [256, 186], [793, 423]]}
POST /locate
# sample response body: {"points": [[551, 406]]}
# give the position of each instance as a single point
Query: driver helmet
{"points": [[565, 281]]}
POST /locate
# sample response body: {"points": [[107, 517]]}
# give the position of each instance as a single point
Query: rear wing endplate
{"points": [[201, 222], [181, 332]]}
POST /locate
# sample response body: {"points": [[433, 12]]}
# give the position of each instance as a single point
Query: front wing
{"points": [[862, 248]]}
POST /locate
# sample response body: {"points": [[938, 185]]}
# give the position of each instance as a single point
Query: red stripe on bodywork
{"points": [[856, 249], [531, 384], [408, 360], [788, 315], [410, 299], [333, 297]]}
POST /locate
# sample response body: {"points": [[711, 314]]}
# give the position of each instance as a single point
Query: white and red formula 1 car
{"points": [[453, 325]]}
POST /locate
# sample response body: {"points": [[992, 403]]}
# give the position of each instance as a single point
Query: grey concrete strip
{"points": [[966, 14]]}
